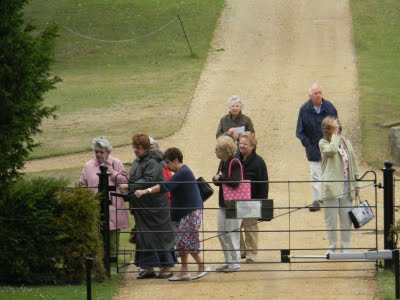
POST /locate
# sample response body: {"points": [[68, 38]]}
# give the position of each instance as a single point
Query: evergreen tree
{"points": [[25, 58]]}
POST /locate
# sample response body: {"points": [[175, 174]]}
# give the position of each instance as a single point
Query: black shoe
{"points": [[147, 275], [165, 275], [314, 206]]}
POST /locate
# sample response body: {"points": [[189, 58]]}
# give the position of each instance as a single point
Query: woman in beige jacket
{"points": [[338, 164]]}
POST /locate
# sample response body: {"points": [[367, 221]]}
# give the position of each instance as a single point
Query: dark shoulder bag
{"points": [[206, 190]]}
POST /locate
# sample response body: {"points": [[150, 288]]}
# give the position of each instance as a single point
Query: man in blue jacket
{"points": [[309, 132]]}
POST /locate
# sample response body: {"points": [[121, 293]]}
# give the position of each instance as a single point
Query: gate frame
{"points": [[388, 201]]}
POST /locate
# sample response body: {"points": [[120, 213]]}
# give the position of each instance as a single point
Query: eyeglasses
{"points": [[99, 151]]}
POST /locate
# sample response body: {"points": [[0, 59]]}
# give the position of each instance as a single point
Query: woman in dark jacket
{"points": [[155, 237], [254, 169], [228, 229], [186, 212]]}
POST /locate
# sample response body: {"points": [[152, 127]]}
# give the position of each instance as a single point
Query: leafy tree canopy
{"points": [[25, 58]]}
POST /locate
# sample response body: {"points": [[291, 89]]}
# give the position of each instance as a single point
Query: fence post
{"points": [[388, 209], [89, 266], [105, 214]]}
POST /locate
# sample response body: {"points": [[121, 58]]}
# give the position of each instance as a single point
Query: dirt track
{"points": [[273, 51]]}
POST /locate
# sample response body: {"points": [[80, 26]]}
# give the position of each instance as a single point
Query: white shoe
{"points": [[202, 274], [185, 277]]}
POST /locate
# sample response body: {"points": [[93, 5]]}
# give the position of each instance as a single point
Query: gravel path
{"points": [[269, 53]]}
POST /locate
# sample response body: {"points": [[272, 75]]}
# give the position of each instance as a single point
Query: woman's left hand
{"points": [[217, 176], [140, 193]]}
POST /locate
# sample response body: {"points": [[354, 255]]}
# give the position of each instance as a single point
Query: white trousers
{"points": [[340, 207], [315, 177], [229, 237]]}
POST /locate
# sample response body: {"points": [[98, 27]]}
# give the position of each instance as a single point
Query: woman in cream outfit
{"points": [[338, 164]]}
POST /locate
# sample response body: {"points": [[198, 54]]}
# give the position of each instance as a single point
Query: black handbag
{"points": [[206, 190]]}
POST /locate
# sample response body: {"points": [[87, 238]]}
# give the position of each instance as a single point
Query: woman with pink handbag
{"points": [[229, 171]]}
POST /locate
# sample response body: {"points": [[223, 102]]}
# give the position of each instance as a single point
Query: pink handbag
{"points": [[240, 192]]}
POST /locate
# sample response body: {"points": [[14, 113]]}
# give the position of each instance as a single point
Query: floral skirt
{"points": [[187, 233]]}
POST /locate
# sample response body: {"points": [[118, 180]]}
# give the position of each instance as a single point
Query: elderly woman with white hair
{"points": [[102, 148], [234, 123]]}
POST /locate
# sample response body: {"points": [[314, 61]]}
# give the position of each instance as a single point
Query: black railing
{"points": [[388, 199], [287, 211]]}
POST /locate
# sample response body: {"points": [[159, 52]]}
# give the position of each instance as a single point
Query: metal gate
{"points": [[302, 249]]}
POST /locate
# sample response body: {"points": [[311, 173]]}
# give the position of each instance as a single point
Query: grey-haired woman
{"points": [[234, 123], [118, 217]]}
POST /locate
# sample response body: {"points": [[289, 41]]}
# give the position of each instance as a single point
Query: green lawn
{"points": [[100, 291], [71, 174], [376, 26], [386, 284], [116, 89]]}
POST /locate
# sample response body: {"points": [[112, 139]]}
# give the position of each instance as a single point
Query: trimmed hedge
{"points": [[46, 232]]}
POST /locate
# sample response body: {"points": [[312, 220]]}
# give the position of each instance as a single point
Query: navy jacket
{"points": [[185, 197], [308, 128]]}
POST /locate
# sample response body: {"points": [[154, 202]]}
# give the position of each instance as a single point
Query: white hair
{"points": [[313, 86], [102, 142], [235, 98]]}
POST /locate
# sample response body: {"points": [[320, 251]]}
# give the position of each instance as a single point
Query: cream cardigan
{"points": [[332, 167]]}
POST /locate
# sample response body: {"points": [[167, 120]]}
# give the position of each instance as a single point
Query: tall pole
{"points": [[105, 214], [388, 208]]}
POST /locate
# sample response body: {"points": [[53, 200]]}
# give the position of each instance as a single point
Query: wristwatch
{"points": [[149, 190]]}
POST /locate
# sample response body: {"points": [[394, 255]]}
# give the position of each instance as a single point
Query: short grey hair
{"points": [[313, 86], [235, 98], [102, 142]]}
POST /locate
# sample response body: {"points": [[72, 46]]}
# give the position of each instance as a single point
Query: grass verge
{"points": [[117, 88], [386, 284], [71, 174], [100, 291], [376, 27]]}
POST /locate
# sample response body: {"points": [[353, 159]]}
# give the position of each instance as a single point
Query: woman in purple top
{"points": [[89, 178], [186, 212]]}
